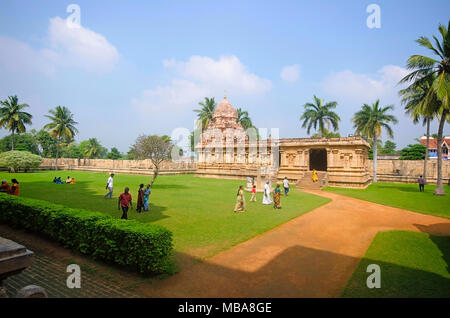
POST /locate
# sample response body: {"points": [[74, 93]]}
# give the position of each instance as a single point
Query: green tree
{"points": [[389, 148], [61, 126], [114, 154], [205, 113], [46, 143], [327, 134], [93, 149], [413, 152], [23, 142], [435, 69], [370, 121], [320, 114], [15, 160], [13, 118]]}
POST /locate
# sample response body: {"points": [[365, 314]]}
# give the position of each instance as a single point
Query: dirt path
{"points": [[313, 255]]}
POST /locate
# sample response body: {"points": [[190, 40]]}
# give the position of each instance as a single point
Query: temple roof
{"points": [[225, 109]]}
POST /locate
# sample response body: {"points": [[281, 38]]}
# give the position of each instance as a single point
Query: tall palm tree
{"points": [[423, 68], [62, 126], [13, 118], [414, 98], [370, 121], [94, 149], [320, 114], [206, 112]]}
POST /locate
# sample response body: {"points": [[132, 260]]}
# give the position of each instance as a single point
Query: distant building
{"points": [[432, 148]]}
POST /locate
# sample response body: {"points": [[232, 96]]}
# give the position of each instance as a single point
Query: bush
{"points": [[16, 160], [141, 247], [413, 152]]}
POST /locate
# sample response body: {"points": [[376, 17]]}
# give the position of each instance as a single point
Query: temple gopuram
{"points": [[226, 150]]}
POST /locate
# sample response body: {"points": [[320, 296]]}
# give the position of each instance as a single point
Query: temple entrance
{"points": [[318, 159]]}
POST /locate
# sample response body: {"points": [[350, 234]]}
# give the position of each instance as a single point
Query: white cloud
{"points": [[69, 47], [202, 76], [362, 88], [290, 73]]}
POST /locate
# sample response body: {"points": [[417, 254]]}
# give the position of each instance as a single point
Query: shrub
{"points": [[141, 247], [16, 160], [413, 152]]}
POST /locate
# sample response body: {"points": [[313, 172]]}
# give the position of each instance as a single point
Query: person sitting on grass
{"points": [[15, 187], [68, 180], [59, 181], [140, 200], [5, 188], [147, 193], [125, 203], [72, 181], [54, 180], [277, 197]]}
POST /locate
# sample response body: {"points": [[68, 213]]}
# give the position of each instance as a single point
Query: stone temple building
{"points": [[225, 150]]}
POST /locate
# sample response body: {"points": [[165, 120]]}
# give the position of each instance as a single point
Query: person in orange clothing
{"points": [[72, 181], [15, 187], [5, 188]]}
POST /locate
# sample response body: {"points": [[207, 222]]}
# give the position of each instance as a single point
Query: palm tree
{"points": [[245, 121], [13, 118], [321, 114], [414, 98], [62, 126], [93, 149], [206, 112], [423, 69], [370, 121]]}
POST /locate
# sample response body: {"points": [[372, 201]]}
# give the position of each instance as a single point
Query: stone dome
{"points": [[225, 109]]}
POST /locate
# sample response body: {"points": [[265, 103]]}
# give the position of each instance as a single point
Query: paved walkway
{"points": [[310, 256]]}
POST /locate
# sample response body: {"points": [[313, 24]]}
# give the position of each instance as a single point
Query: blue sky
{"points": [[141, 66]]}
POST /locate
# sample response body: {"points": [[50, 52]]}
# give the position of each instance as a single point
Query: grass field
{"points": [[404, 196], [198, 211], [412, 265]]}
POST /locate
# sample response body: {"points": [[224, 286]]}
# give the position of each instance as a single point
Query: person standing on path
{"points": [[286, 186], [125, 203], [421, 184], [109, 186]]}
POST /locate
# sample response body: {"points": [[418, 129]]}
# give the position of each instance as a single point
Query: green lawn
{"points": [[412, 265], [404, 196], [198, 211]]}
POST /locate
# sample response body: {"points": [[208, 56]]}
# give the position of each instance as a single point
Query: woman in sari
{"points": [[276, 197], [140, 200], [240, 200], [314, 176], [147, 193]]}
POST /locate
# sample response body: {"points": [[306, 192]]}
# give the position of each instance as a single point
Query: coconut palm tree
{"points": [[93, 149], [414, 98], [370, 121], [320, 114], [13, 118], [205, 113], [61, 126], [423, 68]]}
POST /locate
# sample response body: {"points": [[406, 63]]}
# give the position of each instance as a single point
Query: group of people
{"points": [[125, 199], [69, 180], [6, 188], [267, 200]]}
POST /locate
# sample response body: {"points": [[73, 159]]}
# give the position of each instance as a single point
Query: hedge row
{"points": [[141, 247]]}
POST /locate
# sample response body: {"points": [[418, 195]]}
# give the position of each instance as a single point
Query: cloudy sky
{"points": [[134, 67]]}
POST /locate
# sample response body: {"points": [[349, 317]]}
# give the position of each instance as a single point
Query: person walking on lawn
{"points": [[125, 202], [109, 186]]}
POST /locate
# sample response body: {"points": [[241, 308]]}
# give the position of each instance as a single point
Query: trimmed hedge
{"points": [[142, 247]]}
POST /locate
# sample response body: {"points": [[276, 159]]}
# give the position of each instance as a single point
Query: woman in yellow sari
{"points": [[276, 197], [314, 176], [240, 200]]}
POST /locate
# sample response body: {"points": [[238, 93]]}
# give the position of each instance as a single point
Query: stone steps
{"points": [[306, 181]]}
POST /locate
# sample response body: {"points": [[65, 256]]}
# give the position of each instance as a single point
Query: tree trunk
{"points": [[12, 139], [439, 187], [155, 175], [426, 152], [57, 153], [375, 151]]}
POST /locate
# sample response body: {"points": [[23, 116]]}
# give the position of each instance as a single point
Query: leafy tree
{"points": [[114, 154], [13, 118], [370, 121], [435, 69], [46, 143], [205, 113], [327, 134], [23, 142], [320, 114], [62, 126], [413, 152], [154, 147], [15, 160], [72, 150], [93, 149], [389, 148]]}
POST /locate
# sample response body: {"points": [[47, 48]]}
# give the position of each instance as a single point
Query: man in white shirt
{"points": [[286, 186], [109, 186]]}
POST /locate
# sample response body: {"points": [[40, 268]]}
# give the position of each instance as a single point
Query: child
{"points": [[125, 203], [253, 198]]}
